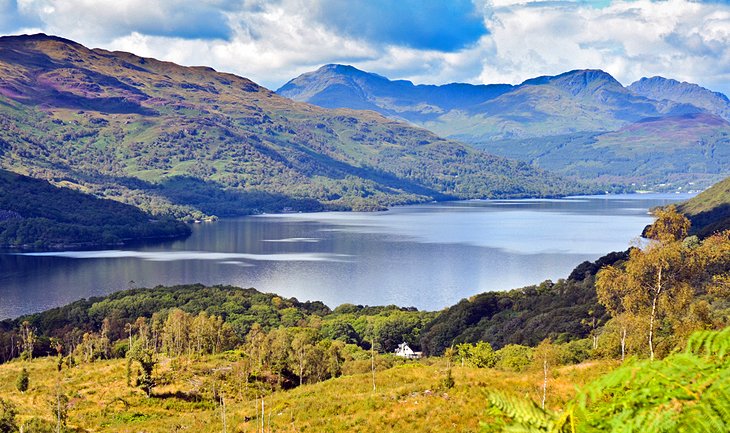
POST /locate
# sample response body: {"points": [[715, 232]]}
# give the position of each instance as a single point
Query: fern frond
{"points": [[526, 415], [710, 343]]}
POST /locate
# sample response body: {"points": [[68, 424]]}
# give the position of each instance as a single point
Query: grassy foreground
{"points": [[408, 396]]}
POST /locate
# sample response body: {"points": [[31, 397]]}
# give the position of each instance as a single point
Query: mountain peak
{"points": [[36, 37], [579, 81], [661, 88]]}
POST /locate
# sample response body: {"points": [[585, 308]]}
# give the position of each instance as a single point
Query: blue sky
{"points": [[426, 41]]}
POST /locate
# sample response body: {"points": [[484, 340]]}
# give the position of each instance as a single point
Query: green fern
{"points": [[527, 416], [685, 392]]}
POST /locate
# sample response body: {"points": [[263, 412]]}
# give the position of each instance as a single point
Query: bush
{"points": [[7, 417], [576, 351], [514, 357], [39, 425]]}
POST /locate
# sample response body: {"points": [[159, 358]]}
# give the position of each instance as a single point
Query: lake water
{"points": [[427, 256]]}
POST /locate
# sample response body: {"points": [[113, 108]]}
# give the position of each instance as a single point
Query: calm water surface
{"points": [[427, 256]]}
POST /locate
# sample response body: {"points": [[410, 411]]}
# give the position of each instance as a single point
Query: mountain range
{"points": [[190, 141], [655, 133]]}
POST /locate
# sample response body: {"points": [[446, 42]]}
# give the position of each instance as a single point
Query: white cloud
{"points": [[677, 38], [273, 41]]}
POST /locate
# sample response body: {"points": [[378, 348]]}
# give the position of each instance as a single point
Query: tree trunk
{"points": [[372, 360], [623, 342], [657, 291], [544, 383], [58, 412], [223, 414]]}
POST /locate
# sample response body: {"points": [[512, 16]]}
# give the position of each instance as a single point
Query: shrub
{"points": [[514, 357]]}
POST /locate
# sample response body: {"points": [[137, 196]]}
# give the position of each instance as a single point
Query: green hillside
{"points": [[34, 213], [709, 211], [192, 141]]}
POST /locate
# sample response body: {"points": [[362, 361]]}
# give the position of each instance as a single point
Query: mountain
{"points": [[660, 88], [341, 86], [709, 211], [34, 213], [582, 123], [192, 141]]}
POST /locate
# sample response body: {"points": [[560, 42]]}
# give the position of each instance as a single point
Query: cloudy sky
{"points": [[426, 41]]}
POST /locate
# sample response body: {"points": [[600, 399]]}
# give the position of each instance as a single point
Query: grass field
{"points": [[407, 397]]}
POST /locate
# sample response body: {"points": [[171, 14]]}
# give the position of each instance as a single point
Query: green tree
{"points": [[301, 344], [147, 360], [22, 382]]}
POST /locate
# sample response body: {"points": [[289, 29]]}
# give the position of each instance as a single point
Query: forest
{"points": [[35, 214]]}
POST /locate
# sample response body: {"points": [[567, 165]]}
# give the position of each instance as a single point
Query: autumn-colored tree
{"points": [[546, 355], [176, 332], [28, 339], [660, 282]]}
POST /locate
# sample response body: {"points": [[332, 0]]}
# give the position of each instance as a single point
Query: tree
{"points": [[176, 332], [545, 355], [147, 360], [514, 357], [7, 417], [659, 282], [22, 382], [302, 342], [28, 338], [612, 287], [59, 406]]}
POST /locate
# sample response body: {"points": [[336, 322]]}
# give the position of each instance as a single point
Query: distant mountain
{"points": [[660, 88], [581, 123], [193, 141], [709, 211], [34, 213], [341, 86]]}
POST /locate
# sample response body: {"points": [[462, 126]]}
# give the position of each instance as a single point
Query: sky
{"points": [[425, 41]]}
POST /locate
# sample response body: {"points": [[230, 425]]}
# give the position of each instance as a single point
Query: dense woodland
{"points": [[34, 213]]}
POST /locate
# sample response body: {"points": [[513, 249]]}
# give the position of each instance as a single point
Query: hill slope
{"points": [[581, 123], [709, 211], [182, 140], [34, 213]]}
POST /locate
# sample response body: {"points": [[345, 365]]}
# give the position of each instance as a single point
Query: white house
{"points": [[406, 352]]}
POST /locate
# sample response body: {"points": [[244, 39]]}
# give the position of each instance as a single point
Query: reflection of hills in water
{"points": [[428, 256]]}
